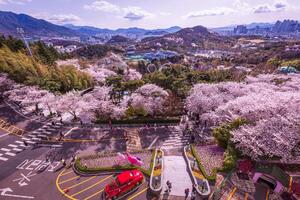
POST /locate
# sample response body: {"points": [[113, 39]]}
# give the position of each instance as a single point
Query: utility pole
{"points": [[21, 32]]}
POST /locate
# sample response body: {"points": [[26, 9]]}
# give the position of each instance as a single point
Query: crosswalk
{"points": [[31, 139], [176, 139], [12, 150]]}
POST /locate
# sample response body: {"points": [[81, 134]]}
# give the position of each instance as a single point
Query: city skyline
{"points": [[115, 14]]}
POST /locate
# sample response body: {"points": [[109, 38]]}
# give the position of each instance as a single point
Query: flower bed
{"points": [[156, 175], [211, 157], [110, 162]]}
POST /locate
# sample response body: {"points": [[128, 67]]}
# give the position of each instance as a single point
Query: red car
{"points": [[123, 184]]}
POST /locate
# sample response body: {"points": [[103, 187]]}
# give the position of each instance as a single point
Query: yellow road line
{"points": [[93, 195], [82, 182], [231, 193], [91, 186], [67, 172], [137, 194], [290, 184], [70, 179], [60, 190], [267, 196]]}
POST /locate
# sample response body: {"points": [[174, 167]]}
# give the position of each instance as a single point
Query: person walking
{"points": [[169, 185], [25, 143], [187, 192], [193, 195]]}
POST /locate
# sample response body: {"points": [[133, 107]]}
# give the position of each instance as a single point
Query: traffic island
{"points": [[156, 178], [102, 163], [201, 183]]}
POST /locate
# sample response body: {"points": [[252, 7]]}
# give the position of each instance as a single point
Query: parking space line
{"points": [[61, 191], [89, 197], [70, 179], [137, 194], [91, 186], [81, 182], [66, 173]]}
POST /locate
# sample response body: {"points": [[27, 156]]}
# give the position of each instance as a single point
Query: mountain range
{"points": [[10, 21]]}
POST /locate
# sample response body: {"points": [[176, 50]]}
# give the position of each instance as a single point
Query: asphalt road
{"points": [[25, 173]]}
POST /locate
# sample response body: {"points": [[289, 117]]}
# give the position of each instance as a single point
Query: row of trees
{"points": [[270, 104], [23, 69]]}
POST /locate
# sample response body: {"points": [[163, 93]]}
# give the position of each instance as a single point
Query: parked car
{"points": [[123, 184]]}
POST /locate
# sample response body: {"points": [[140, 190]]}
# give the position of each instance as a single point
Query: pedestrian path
{"points": [[176, 140], [12, 150], [43, 133], [133, 141], [30, 139], [175, 171]]}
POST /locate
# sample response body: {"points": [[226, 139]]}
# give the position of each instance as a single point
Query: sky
{"points": [[152, 14]]}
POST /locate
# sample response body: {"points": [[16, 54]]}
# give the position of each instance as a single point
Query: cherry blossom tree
{"points": [[5, 83], [269, 103], [132, 74], [149, 97]]}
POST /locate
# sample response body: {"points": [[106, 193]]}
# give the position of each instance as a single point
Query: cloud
{"points": [[211, 12], [64, 19], [19, 2], [102, 5], [136, 13], [58, 18], [277, 6]]}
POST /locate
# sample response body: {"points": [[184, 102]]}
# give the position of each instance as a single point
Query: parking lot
{"points": [[73, 186]]}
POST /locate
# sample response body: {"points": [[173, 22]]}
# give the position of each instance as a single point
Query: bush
{"points": [[222, 133], [230, 158]]}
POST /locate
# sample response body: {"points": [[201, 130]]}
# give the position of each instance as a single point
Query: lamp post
{"points": [[21, 32]]}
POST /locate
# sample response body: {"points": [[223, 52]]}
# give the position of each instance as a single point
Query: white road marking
{"points": [[4, 192], [4, 149], [4, 159], [17, 149], [72, 129], [10, 154], [153, 142], [12, 145], [4, 135], [20, 142]]}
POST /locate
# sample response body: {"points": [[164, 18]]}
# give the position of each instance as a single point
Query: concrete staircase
{"points": [[176, 139], [133, 141]]}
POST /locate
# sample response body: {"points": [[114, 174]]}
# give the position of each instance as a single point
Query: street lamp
{"points": [[21, 32]]}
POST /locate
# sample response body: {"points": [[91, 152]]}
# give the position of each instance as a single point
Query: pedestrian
{"points": [[186, 191], [25, 143], [193, 195], [63, 162], [169, 185], [192, 138], [194, 188]]}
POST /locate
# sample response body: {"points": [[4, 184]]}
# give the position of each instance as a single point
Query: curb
{"points": [[205, 194], [158, 190]]}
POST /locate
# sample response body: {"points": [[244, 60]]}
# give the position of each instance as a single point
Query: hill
{"points": [[10, 21], [188, 39]]}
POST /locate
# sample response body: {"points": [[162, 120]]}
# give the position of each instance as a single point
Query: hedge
{"points": [[172, 120], [214, 171], [81, 168]]}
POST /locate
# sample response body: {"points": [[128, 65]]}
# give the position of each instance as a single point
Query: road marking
{"points": [[137, 194], [4, 159], [20, 142], [70, 179], [67, 172], [91, 186], [4, 135], [18, 150], [153, 142], [81, 182], [267, 196], [231, 193], [10, 154], [11, 145], [4, 149], [70, 131], [290, 184], [61, 191], [93, 195], [4, 192]]}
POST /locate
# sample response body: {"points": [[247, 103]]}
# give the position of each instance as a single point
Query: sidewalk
{"points": [[175, 170]]}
